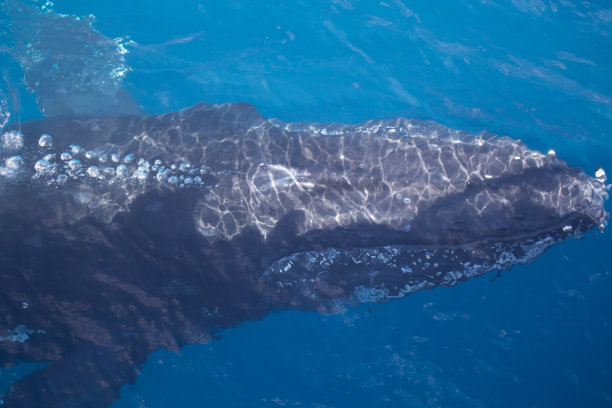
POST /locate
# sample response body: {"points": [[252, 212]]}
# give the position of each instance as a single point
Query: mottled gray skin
{"points": [[267, 216]]}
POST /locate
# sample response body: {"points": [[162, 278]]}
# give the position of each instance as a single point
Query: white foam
{"points": [[600, 175], [93, 172], [11, 141], [15, 163], [76, 150], [45, 140], [62, 179], [122, 171], [75, 164], [44, 168]]}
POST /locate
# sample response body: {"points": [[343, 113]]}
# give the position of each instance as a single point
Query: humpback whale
{"points": [[125, 234], [121, 234]]}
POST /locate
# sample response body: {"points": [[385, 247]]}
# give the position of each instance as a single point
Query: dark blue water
{"points": [[540, 335]]}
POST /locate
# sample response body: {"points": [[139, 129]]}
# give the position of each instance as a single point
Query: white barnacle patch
{"points": [[74, 164], [15, 163], [13, 167], [62, 179], [122, 171], [141, 174], [19, 334], [600, 175], [45, 140], [161, 176], [44, 168], [403, 227], [287, 266], [93, 172], [11, 141], [76, 150], [370, 295]]}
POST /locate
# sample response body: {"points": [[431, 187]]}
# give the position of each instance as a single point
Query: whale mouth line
{"points": [[319, 279], [571, 225], [558, 234]]}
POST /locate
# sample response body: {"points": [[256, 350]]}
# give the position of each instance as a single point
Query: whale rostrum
{"points": [[125, 234]]}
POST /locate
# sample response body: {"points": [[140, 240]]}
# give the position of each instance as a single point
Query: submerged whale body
{"points": [[125, 234]]}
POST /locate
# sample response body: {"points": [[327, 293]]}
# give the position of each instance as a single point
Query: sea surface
{"points": [[539, 335]]}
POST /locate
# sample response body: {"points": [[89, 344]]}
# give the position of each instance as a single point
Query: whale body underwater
{"points": [[125, 234]]}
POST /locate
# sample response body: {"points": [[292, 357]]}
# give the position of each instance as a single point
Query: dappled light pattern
{"points": [[126, 234], [252, 172]]}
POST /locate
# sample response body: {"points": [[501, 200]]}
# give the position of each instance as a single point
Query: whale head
{"points": [[337, 213], [125, 234]]}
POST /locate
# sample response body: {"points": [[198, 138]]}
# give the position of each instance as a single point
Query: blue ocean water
{"points": [[535, 70]]}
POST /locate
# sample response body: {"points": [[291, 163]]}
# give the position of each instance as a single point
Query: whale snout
{"points": [[593, 196]]}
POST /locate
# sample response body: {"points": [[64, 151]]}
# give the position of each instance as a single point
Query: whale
{"points": [[126, 234]]}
